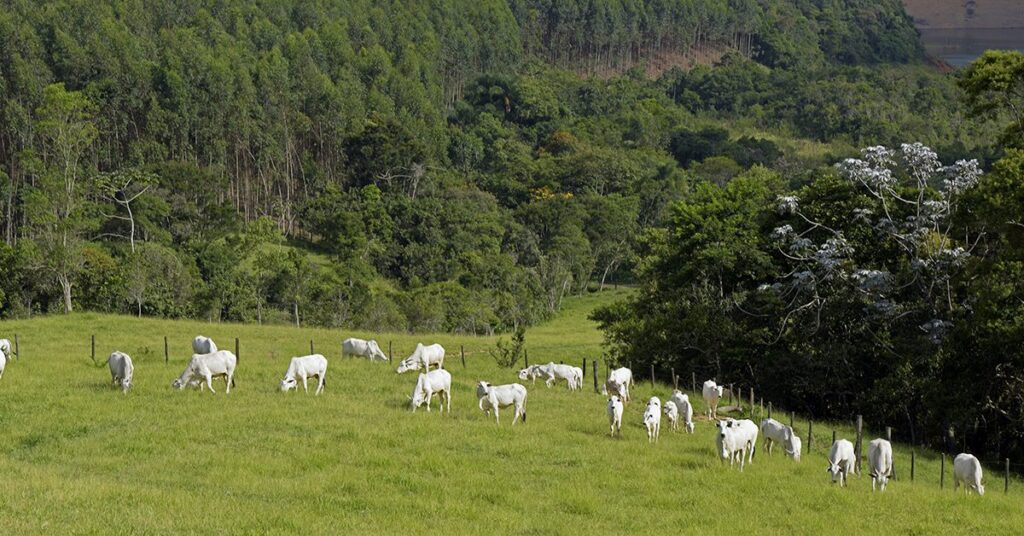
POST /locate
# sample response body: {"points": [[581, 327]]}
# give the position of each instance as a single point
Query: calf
{"points": [[363, 348], [205, 367], [492, 397], [879, 462], [652, 419], [615, 415], [436, 381], [967, 470], [203, 345], [841, 461], [712, 393], [122, 371], [304, 368], [672, 412]]}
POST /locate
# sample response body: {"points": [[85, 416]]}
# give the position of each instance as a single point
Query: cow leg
{"points": [[320, 384], [209, 383], [496, 420], [305, 383], [429, 394]]}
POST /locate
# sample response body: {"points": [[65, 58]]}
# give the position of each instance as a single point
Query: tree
{"points": [[994, 86], [58, 204], [123, 188]]}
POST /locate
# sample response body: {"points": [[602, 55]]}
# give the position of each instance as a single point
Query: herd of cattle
{"points": [[735, 441]]}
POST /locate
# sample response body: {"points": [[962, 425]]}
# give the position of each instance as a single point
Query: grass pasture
{"points": [[78, 457]]}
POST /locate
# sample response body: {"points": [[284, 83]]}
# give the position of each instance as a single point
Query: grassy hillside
{"points": [[78, 456]]}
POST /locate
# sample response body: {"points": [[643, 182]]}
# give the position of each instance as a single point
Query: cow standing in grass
{"points": [[879, 462], [682, 402], [841, 461], [615, 409], [652, 419], [967, 471], [422, 358], [122, 371], [363, 348], [712, 394], [305, 367], [492, 397], [205, 367], [437, 382]]}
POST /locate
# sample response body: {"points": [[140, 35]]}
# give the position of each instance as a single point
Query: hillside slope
{"points": [[78, 456]]}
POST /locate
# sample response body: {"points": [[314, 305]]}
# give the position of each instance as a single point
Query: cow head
{"points": [[406, 365], [178, 384], [981, 489], [482, 389], [288, 384], [835, 471], [524, 374], [375, 351], [417, 398], [126, 385]]}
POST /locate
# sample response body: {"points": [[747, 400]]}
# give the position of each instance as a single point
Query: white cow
{"points": [[122, 371], [578, 375], [5, 346], [553, 372], [363, 348], [841, 461], [615, 415], [422, 358], [652, 419], [672, 412], [682, 401], [728, 442], [776, 432], [746, 432], [530, 373], [303, 368], [3, 363], [434, 382], [618, 383], [492, 397], [203, 345], [205, 367], [712, 393], [967, 470], [879, 462]]}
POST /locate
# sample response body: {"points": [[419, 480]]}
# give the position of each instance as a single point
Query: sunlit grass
{"points": [[77, 456]]}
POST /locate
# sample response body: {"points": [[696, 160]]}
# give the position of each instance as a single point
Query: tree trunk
{"points": [[295, 307], [65, 286]]}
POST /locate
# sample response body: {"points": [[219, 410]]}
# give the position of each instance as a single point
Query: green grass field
{"points": [[79, 457]]}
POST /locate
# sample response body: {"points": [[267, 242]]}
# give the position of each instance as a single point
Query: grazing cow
{"points": [[552, 373], [530, 373], [3, 363], [652, 419], [712, 393], [422, 358], [615, 415], [682, 401], [879, 462], [841, 461], [203, 345], [205, 367], [121, 370], [5, 346], [967, 470], [776, 432], [436, 381], [304, 368], [492, 397], [672, 412], [363, 348]]}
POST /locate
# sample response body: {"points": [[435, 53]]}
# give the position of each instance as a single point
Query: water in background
{"points": [[960, 46]]}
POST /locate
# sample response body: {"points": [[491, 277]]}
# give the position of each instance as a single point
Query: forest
{"points": [[797, 193]]}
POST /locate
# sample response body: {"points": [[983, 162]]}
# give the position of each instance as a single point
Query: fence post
{"points": [[693, 382], [833, 437], [311, 350], [595, 377], [731, 392], [859, 448], [888, 437], [810, 435], [166, 353], [792, 418], [237, 352], [675, 379], [584, 369], [652, 376], [93, 354], [1006, 477], [17, 346], [913, 459], [739, 399], [769, 409], [462, 350], [751, 402], [942, 472], [389, 351], [762, 408], [526, 357]]}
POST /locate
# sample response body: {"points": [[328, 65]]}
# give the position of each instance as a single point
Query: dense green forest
{"points": [[412, 165]]}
